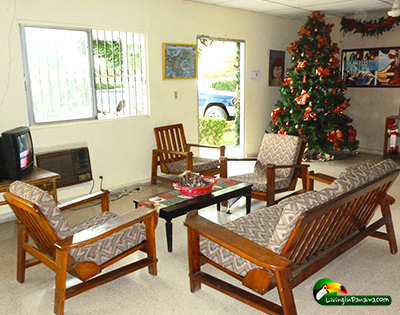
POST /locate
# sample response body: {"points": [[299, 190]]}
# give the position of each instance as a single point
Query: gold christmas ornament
{"points": [[291, 111], [297, 126]]}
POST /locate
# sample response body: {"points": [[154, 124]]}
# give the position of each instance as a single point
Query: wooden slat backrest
{"points": [[35, 222], [171, 138], [329, 223]]}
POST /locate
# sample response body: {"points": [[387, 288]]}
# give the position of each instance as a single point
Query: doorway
{"points": [[221, 94]]}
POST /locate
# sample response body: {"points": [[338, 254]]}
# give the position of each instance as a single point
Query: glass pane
{"points": [[59, 74]]}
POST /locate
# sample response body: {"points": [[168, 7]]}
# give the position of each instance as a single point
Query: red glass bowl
{"points": [[195, 191]]}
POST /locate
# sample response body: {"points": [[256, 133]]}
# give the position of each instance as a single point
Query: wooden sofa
{"points": [[282, 245]]}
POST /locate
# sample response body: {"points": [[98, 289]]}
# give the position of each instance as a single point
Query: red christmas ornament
{"points": [[308, 113], [302, 99], [301, 64], [275, 113]]}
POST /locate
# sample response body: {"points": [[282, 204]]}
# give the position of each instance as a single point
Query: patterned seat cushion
{"points": [[199, 165], [257, 226], [259, 181], [98, 252], [105, 249]]}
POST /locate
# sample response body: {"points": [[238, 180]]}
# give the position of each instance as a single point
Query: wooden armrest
{"points": [[245, 159], [389, 200], [102, 194], [237, 244], [324, 178], [221, 148], [108, 228], [206, 146], [186, 154], [288, 166]]}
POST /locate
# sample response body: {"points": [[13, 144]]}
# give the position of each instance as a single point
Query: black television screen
{"points": [[17, 156]]}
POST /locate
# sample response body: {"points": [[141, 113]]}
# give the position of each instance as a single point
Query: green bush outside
{"points": [[211, 130], [225, 85]]}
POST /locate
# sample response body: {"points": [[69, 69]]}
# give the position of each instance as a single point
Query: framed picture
{"points": [[276, 67], [179, 61], [371, 67]]}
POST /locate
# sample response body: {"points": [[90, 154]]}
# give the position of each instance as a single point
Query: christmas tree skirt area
{"points": [[332, 155]]}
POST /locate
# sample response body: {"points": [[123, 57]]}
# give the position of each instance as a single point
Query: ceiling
{"points": [[301, 9]]}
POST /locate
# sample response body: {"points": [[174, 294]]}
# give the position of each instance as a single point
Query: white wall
{"points": [[370, 105], [121, 149]]}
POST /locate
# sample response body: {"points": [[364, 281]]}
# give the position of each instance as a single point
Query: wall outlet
{"points": [[175, 94]]}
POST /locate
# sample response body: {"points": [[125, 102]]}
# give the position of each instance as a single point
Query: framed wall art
{"points": [[179, 61], [371, 67], [276, 67]]}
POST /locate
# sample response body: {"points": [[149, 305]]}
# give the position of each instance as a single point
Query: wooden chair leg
{"points": [[154, 165], [61, 278], [151, 244], [385, 208], [194, 257], [285, 292], [21, 253]]}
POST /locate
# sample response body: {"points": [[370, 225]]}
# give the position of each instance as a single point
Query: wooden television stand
{"points": [[39, 177]]}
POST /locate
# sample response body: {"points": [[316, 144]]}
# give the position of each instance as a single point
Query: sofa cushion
{"points": [[360, 174], [360, 166], [257, 226], [293, 208]]}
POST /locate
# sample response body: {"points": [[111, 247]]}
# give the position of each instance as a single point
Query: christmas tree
{"points": [[313, 94]]}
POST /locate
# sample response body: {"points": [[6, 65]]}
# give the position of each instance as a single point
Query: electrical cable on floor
{"points": [[126, 193]]}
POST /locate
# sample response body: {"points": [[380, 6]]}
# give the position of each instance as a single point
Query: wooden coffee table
{"points": [[174, 205]]}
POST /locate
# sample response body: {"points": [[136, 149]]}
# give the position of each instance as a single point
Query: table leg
{"points": [[168, 230], [248, 203]]}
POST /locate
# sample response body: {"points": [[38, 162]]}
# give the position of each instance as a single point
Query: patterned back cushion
{"points": [[46, 205], [280, 150], [360, 174], [293, 208]]}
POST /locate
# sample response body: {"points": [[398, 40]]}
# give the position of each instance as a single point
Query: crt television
{"points": [[16, 153]]}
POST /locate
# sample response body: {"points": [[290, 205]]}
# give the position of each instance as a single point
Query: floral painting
{"points": [[179, 61]]}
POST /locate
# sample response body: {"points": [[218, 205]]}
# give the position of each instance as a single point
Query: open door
{"points": [[220, 93]]}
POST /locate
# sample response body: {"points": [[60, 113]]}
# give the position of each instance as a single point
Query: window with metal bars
{"points": [[74, 74]]}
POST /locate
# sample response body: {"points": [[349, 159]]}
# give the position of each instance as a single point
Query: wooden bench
{"points": [[337, 218]]}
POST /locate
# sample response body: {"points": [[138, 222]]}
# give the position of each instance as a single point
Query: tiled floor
{"points": [[367, 269]]}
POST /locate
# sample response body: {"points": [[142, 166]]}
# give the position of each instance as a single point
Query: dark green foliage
{"points": [[237, 83], [313, 98], [225, 85], [110, 51], [211, 130]]}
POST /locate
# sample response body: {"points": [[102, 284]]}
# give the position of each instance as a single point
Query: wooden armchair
{"points": [[277, 168], [83, 250], [174, 157]]}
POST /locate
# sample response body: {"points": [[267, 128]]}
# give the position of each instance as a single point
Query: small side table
{"points": [[38, 177]]}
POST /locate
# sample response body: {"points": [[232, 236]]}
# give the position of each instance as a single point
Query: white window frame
{"points": [[126, 98]]}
